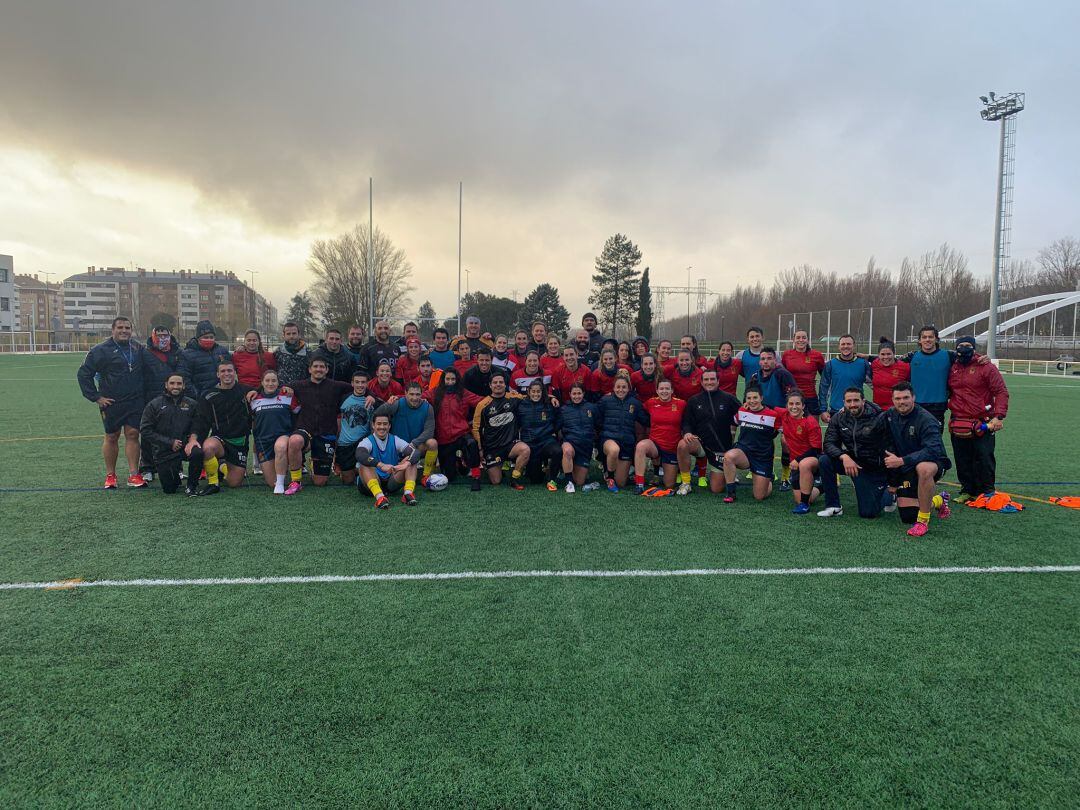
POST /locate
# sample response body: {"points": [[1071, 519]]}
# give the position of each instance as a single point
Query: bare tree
{"points": [[342, 278], [1060, 262]]}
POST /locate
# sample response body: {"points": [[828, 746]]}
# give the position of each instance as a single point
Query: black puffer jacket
{"points": [[157, 366], [164, 419], [340, 363], [199, 365], [863, 437]]}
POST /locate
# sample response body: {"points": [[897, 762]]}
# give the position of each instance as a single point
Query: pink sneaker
{"points": [[918, 530], [293, 488], [944, 511]]}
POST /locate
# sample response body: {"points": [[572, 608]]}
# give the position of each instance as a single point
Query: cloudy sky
{"points": [[738, 139]]}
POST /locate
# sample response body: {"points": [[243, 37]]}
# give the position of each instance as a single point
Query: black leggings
{"points": [[470, 452], [169, 471], [545, 462]]}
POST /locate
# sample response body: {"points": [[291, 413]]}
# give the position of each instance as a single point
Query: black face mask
{"points": [[965, 354]]}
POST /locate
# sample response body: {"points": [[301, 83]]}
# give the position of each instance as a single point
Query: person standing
{"points": [[291, 357], [354, 343], [845, 371], [596, 340], [161, 356], [442, 357], [199, 360], [805, 363], [978, 404], [379, 351], [748, 357], [339, 362], [111, 376], [251, 360], [885, 372]]}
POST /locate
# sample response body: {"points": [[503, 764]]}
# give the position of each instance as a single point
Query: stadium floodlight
{"points": [[1005, 110]]}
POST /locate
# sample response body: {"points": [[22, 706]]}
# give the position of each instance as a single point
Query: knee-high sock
{"points": [[373, 486], [211, 465]]}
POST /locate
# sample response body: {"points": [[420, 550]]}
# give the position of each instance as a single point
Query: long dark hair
{"points": [[259, 356], [440, 389]]}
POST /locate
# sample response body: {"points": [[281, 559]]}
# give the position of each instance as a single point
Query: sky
{"points": [[734, 139]]}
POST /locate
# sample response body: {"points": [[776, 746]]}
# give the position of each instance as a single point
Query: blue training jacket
{"points": [[838, 376]]}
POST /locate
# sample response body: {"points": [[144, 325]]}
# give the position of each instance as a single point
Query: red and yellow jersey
{"points": [[885, 377], [801, 434], [665, 422], [804, 367]]}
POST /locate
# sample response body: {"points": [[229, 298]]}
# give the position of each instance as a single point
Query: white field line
{"points": [[539, 574]]}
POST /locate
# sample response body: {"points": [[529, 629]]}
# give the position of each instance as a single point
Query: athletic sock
{"points": [[702, 464], [936, 502], [430, 457], [516, 473], [924, 517], [474, 472], [296, 475], [785, 473], [281, 479], [211, 466], [802, 496], [410, 486], [639, 479], [373, 485], [684, 477], [730, 489]]}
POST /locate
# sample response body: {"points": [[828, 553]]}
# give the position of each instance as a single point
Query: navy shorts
{"points": [[119, 415], [759, 464], [813, 406], [668, 457], [322, 452], [582, 455], [235, 451], [626, 453], [907, 481]]}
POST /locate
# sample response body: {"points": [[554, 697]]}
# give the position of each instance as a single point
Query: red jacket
{"points": [[804, 367], [973, 387], [406, 370], [248, 371], [885, 377], [453, 419], [393, 389]]}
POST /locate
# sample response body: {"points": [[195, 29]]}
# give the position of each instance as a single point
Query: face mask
{"points": [[162, 342], [965, 353], [206, 342]]}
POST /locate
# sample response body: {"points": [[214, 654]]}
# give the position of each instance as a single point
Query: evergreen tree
{"points": [[543, 304], [301, 311], [615, 282], [426, 318], [645, 314]]}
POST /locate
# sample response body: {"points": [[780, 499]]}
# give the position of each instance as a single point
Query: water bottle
{"points": [[589, 487]]}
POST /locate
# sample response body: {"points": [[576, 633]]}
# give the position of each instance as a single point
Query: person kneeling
{"points": [[854, 445], [387, 463], [165, 424]]}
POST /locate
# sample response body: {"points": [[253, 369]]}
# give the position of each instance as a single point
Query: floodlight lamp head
{"points": [[984, 99], [992, 96]]}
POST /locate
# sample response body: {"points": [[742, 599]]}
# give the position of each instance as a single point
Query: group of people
{"points": [[388, 414]]}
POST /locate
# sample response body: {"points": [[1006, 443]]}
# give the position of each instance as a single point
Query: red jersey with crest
{"points": [[883, 378], [802, 434], [645, 389], [665, 422], [688, 385], [562, 378], [804, 367], [729, 375]]}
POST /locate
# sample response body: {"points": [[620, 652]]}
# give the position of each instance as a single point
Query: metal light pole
{"points": [[460, 197], [254, 303], [1002, 109], [688, 269], [371, 255], [466, 269]]}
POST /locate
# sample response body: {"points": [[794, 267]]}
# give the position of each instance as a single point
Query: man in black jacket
{"points": [[220, 428], [854, 445], [165, 427], [339, 361], [112, 377], [199, 360], [478, 378], [161, 358], [915, 460], [708, 427], [378, 351]]}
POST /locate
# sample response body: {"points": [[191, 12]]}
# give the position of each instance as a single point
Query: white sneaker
{"points": [[831, 511], [279, 489], [684, 489], [570, 489], [148, 476], [890, 508]]}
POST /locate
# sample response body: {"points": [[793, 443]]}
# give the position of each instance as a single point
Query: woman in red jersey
{"points": [[552, 358], [252, 360], [408, 365], [644, 382], [802, 432], [602, 380], [665, 429], [886, 371], [728, 368]]}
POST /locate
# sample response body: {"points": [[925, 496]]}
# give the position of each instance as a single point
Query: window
{"points": [[3, 275], [5, 305]]}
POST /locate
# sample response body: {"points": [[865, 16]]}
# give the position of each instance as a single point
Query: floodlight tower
{"points": [[1005, 110]]}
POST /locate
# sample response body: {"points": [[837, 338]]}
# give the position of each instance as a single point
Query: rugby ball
{"points": [[437, 482]]}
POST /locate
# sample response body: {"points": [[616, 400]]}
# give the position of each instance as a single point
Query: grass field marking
{"points": [[51, 438], [72, 584]]}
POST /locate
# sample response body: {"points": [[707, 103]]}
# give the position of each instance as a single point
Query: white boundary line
{"points": [[539, 574]]}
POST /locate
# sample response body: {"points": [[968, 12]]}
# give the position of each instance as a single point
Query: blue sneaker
{"points": [[801, 509]]}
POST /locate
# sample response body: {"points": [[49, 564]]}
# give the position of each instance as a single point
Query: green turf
{"points": [[931, 690]]}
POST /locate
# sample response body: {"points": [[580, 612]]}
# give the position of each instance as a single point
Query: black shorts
{"points": [[582, 455], [937, 410], [236, 451], [626, 453], [759, 464], [322, 452], [495, 456], [813, 452], [119, 415], [813, 406], [906, 482], [345, 457]]}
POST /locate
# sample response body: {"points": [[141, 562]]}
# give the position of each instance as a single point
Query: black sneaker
{"points": [[210, 489], [475, 485], [517, 484], [191, 492]]}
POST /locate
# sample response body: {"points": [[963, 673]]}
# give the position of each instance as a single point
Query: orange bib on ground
{"points": [[1071, 501], [998, 502]]}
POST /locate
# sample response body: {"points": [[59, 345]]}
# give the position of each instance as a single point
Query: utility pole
{"points": [[1005, 110]]}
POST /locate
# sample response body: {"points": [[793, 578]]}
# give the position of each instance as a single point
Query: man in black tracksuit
{"points": [[495, 427], [854, 445], [915, 458], [164, 429], [379, 350], [708, 427], [477, 379], [339, 360]]}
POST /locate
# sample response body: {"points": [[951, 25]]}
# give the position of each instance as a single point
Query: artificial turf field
{"points": [[855, 689]]}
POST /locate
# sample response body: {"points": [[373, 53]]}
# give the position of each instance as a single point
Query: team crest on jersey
{"points": [[911, 430], [798, 430], [543, 416], [673, 406]]}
